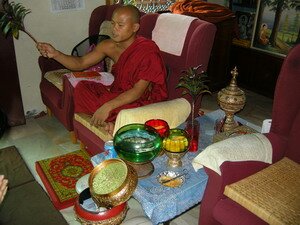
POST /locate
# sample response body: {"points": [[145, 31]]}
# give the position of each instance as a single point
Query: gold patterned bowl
{"points": [[111, 216], [112, 182]]}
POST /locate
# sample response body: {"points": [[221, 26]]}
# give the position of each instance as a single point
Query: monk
{"points": [[139, 71]]}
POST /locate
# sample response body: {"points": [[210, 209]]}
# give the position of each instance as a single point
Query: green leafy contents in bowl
{"points": [[109, 178]]}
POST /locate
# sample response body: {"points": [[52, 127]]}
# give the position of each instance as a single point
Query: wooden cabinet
{"points": [[258, 71], [218, 66], [10, 93]]}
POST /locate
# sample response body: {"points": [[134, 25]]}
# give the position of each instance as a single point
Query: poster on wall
{"points": [[64, 5], [277, 27], [245, 11], [245, 26]]}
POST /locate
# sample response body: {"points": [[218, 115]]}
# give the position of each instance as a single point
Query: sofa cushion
{"points": [[106, 28], [85, 120], [249, 147], [55, 77], [13, 167], [159, 110], [25, 202], [29, 204]]}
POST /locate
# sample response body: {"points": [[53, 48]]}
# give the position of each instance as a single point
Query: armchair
{"points": [[284, 135], [196, 50], [59, 100]]}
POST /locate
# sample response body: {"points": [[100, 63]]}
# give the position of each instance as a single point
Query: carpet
{"points": [[60, 174]]}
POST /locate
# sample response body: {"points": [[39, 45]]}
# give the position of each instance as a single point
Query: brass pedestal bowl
{"points": [[112, 182], [176, 146], [138, 145]]}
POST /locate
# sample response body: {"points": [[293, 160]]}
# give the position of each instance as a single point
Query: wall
{"points": [[64, 30]]}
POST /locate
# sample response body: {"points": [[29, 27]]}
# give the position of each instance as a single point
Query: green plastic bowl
{"points": [[137, 143]]}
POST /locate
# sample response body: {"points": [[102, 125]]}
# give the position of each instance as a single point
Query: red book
{"points": [[86, 74], [60, 174]]}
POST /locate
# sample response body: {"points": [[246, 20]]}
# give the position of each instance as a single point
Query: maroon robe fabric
{"points": [[140, 61]]}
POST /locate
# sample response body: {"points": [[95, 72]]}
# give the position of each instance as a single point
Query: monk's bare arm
{"points": [[76, 63], [127, 97]]}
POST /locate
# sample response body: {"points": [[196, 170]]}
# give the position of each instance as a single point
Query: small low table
{"points": [[162, 203]]}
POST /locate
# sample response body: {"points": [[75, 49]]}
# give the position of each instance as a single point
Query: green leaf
{"points": [[193, 82], [7, 28], [15, 33], [12, 20]]}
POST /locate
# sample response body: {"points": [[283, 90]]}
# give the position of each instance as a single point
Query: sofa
{"points": [[26, 202], [284, 135]]}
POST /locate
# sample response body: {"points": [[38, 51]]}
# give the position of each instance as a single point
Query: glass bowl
{"points": [[177, 141], [137, 143], [176, 146], [161, 126]]}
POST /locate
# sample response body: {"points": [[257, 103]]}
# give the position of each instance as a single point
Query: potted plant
{"points": [[194, 82], [12, 19]]}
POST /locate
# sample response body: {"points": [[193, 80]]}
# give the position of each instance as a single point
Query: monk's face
{"points": [[124, 26]]}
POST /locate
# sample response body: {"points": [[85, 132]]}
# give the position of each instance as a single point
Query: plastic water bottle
{"points": [[109, 147], [109, 153]]}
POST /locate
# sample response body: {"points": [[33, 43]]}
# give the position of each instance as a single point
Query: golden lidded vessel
{"points": [[231, 99]]}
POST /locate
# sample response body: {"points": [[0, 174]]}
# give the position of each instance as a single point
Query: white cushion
{"points": [[174, 112], [249, 147]]}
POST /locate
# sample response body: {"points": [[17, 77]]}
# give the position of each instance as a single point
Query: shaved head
{"points": [[130, 10]]}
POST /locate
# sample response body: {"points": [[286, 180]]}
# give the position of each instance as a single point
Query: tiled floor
{"points": [[45, 137]]}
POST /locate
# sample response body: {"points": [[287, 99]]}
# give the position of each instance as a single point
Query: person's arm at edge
{"points": [[3, 187]]}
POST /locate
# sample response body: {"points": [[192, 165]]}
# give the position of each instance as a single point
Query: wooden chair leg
{"points": [[49, 113], [73, 137], [82, 146]]}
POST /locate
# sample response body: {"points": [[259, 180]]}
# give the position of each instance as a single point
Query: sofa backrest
{"points": [[287, 93], [196, 49], [293, 150]]}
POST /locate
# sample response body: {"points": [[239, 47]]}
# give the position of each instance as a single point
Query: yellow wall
{"points": [[63, 30]]}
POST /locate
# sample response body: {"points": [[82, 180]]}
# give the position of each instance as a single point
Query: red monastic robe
{"points": [[140, 61]]}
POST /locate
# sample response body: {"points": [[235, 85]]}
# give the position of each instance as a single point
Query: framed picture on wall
{"points": [[277, 27], [245, 11], [245, 21]]}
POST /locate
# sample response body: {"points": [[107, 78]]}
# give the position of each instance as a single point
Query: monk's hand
{"points": [[47, 50], [99, 117]]}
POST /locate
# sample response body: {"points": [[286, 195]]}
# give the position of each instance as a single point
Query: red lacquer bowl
{"points": [[114, 215]]}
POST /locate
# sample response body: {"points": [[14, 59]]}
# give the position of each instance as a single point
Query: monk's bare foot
{"points": [[109, 127]]}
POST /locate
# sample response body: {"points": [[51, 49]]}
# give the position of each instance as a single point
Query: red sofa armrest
{"points": [[279, 145], [231, 172], [46, 65]]}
